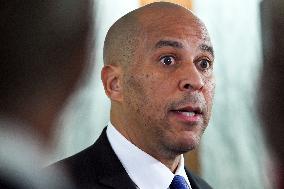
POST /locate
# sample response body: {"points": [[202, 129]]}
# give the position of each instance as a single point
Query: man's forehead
{"points": [[177, 37], [173, 26], [168, 43], [203, 45]]}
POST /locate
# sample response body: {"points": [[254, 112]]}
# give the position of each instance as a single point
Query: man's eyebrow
{"points": [[207, 48], [170, 43]]}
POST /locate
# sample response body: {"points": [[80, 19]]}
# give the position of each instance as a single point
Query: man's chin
{"points": [[189, 146], [185, 146]]}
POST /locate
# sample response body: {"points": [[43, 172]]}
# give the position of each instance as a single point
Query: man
{"points": [[44, 48], [158, 63]]}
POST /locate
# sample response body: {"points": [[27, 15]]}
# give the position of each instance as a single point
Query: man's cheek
{"points": [[209, 88]]}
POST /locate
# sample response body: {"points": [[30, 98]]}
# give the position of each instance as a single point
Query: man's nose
{"points": [[191, 79]]}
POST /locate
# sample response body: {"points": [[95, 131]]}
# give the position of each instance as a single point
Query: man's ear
{"points": [[111, 76]]}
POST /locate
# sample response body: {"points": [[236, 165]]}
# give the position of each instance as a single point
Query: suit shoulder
{"points": [[197, 181], [80, 159], [203, 184], [76, 166]]}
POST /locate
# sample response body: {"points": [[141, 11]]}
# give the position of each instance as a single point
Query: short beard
{"points": [[172, 149], [176, 149]]}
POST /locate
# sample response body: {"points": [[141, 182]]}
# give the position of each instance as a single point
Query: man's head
{"points": [[43, 50], [158, 75]]}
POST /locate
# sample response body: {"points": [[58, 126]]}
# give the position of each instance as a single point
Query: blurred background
{"points": [[233, 152]]}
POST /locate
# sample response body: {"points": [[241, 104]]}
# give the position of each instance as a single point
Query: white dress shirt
{"points": [[144, 170]]}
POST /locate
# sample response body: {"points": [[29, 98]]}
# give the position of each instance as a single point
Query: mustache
{"points": [[190, 99]]}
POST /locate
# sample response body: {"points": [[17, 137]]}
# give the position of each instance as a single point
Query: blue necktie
{"points": [[179, 183]]}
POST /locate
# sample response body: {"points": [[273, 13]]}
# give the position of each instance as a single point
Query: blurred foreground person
{"points": [[272, 84], [44, 48], [158, 74]]}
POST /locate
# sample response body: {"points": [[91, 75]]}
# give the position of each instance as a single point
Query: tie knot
{"points": [[179, 183]]}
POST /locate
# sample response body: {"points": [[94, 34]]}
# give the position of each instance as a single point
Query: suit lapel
{"points": [[112, 172], [193, 182]]}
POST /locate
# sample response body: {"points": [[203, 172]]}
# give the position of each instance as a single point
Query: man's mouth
{"points": [[188, 114], [189, 110]]}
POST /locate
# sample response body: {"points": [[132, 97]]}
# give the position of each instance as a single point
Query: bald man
{"points": [[44, 49], [158, 74]]}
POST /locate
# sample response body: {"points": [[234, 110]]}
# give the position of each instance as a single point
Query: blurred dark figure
{"points": [[44, 49], [272, 81]]}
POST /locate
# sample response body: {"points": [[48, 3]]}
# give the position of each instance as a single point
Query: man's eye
{"points": [[167, 60], [204, 64]]}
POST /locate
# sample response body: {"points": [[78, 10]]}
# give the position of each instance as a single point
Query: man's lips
{"points": [[188, 114]]}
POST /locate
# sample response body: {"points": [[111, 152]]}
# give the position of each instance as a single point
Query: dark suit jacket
{"points": [[98, 167]]}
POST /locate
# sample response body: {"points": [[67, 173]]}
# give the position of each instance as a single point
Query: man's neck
{"points": [[172, 164], [168, 159]]}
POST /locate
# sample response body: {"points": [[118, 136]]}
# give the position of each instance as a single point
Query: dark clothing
{"points": [[98, 167]]}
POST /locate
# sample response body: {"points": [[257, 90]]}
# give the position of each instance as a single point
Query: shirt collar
{"points": [[144, 170]]}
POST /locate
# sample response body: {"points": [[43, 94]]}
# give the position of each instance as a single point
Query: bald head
{"points": [[121, 40], [132, 29]]}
